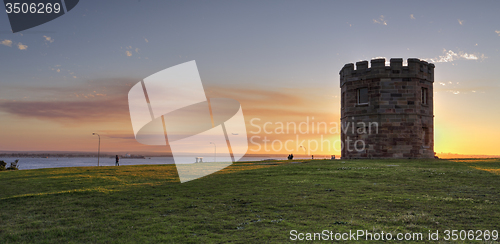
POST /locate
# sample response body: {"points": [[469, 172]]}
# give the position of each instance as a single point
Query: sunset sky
{"points": [[67, 78]]}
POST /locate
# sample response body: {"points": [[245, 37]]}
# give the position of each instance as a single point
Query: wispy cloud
{"points": [[64, 72], [104, 104], [450, 56], [290, 104], [257, 97], [48, 39], [461, 22], [80, 106], [9, 44], [498, 32], [107, 101], [62, 111], [129, 50], [112, 87], [380, 20], [411, 16], [21, 46], [459, 90], [6, 43], [146, 40]]}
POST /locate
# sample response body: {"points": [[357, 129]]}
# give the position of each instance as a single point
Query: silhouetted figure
{"points": [[117, 163], [312, 156], [291, 156]]}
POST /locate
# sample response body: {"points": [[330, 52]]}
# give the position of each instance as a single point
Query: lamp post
{"points": [[304, 150], [215, 152], [98, 148]]}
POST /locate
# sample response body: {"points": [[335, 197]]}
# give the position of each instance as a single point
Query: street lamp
{"points": [[215, 152], [98, 148]]}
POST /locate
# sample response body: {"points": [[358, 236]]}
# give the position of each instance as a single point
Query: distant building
{"points": [[387, 111]]}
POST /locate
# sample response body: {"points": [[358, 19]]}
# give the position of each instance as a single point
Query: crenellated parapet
{"points": [[415, 68]]}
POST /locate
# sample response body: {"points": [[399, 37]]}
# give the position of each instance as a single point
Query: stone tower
{"points": [[387, 111]]}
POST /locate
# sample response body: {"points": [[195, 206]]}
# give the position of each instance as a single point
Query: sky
{"points": [[65, 79]]}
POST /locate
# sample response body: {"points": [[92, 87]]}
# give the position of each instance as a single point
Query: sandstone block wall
{"points": [[397, 121]]}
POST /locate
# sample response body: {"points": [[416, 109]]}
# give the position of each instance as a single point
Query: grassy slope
{"points": [[247, 201]]}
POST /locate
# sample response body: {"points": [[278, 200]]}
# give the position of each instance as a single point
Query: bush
{"points": [[2, 165]]}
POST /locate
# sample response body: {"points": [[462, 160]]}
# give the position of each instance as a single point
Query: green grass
{"points": [[248, 202]]}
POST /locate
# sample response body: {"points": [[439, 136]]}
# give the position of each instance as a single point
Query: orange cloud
{"points": [[6, 42], [85, 111], [21, 46]]}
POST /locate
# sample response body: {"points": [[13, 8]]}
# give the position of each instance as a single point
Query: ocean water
{"points": [[58, 162]]}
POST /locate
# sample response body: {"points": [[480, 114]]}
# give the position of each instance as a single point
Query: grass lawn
{"points": [[249, 202]]}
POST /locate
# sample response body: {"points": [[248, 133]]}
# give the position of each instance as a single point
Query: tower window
{"points": [[362, 96], [424, 95]]}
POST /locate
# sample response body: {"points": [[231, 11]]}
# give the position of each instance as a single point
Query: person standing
{"points": [[117, 163]]}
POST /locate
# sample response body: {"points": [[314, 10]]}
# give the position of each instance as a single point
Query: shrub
{"points": [[2, 165]]}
